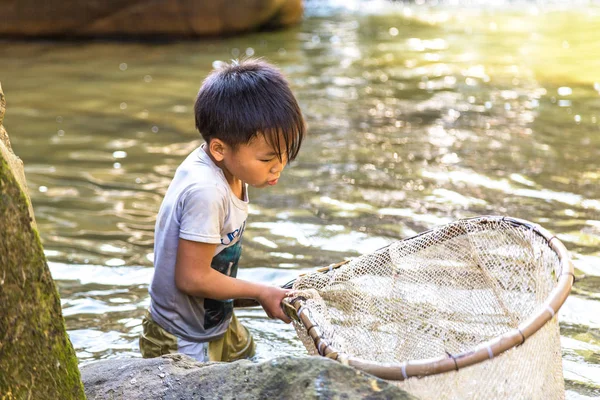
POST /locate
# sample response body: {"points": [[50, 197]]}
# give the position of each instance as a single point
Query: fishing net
{"points": [[466, 310]]}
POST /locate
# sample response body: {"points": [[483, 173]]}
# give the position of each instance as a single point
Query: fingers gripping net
{"points": [[441, 294]]}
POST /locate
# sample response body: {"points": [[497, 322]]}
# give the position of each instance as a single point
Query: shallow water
{"points": [[418, 116]]}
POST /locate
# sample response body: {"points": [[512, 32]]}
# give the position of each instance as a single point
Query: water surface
{"points": [[418, 115]]}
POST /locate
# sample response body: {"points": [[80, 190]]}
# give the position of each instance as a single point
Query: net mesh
{"points": [[445, 292]]}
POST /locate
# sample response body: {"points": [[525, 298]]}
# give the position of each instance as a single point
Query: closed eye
{"points": [[267, 161]]}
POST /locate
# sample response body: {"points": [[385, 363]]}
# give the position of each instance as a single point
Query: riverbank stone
{"points": [[37, 360], [176, 376], [126, 18]]}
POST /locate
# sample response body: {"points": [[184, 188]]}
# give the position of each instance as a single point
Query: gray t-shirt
{"points": [[198, 206]]}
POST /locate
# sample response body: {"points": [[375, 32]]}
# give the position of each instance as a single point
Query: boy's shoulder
{"points": [[198, 176], [198, 167]]}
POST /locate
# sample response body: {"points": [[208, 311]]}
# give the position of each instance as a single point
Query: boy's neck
{"points": [[236, 184]]}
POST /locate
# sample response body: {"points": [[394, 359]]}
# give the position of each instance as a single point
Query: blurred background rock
{"points": [[126, 18]]}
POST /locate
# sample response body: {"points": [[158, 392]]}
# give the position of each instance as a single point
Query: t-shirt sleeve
{"points": [[202, 212]]}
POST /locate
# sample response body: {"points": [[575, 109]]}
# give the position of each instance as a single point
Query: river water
{"points": [[418, 115]]}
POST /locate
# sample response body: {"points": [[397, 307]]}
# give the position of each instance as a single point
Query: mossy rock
{"points": [[37, 360]]}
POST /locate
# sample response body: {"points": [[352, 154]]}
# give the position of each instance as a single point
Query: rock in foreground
{"points": [[180, 377]]}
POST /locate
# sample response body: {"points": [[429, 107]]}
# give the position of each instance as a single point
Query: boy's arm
{"points": [[194, 276]]}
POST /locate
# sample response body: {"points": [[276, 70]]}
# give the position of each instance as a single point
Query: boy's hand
{"points": [[270, 299]]}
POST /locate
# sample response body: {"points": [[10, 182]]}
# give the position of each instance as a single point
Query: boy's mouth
{"points": [[273, 182]]}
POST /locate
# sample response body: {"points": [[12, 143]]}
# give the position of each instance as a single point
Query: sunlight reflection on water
{"points": [[418, 115]]}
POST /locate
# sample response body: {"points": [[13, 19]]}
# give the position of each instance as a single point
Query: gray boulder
{"points": [[176, 377]]}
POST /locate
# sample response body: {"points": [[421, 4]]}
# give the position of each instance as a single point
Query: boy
{"points": [[252, 126]]}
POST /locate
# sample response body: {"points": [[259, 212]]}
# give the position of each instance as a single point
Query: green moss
{"points": [[37, 359]]}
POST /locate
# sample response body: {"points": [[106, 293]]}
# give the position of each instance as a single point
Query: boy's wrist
{"points": [[260, 291]]}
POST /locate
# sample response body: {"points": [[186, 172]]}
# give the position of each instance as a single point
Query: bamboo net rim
{"points": [[295, 308]]}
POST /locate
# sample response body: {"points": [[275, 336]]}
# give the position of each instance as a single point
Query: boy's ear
{"points": [[217, 149]]}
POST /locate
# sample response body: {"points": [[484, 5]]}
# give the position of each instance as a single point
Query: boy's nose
{"points": [[278, 167]]}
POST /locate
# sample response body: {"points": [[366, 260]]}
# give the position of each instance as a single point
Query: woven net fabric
{"points": [[444, 292]]}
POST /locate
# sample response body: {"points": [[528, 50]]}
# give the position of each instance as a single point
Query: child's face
{"points": [[255, 163]]}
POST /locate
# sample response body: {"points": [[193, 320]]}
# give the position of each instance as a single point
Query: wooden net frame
{"points": [[545, 287]]}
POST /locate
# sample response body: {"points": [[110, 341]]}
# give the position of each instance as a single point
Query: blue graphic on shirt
{"points": [[226, 262], [231, 236]]}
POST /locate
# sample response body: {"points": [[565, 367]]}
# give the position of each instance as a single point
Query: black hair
{"points": [[238, 101]]}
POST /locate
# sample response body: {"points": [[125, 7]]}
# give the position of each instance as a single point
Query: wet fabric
{"points": [[237, 343]]}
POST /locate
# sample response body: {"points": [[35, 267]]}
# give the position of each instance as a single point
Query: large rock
{"points": [[76, 18], [14, 162], [175, 377], [37, 360]]}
